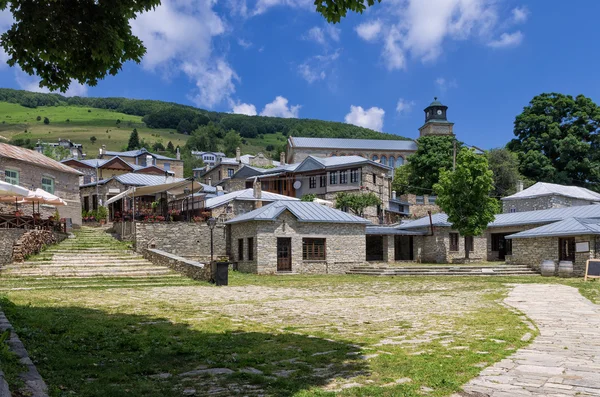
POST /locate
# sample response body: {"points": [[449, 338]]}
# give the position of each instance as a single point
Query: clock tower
{"points": [[436, 122]]}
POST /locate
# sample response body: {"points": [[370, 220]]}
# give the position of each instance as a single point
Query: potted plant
{"points": [[101, 215], [18, 213]]}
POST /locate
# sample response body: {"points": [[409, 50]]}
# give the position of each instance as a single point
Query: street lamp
{"points": [[211, 222]]}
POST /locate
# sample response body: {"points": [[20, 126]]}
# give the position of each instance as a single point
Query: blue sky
{"points": [[485, 59]]}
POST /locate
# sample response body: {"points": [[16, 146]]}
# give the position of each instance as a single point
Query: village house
{"points": [[74, 150], [208, 158], [143, 158], [297, 237], [31, 169], [543, 195], [99, 169]]}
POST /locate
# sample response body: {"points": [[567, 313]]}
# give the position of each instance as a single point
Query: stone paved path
{"points": [[564, 360]]}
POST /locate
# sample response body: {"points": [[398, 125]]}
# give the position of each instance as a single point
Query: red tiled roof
{"points": [[31, 156]]}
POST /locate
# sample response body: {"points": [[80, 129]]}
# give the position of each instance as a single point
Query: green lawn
{"points": [[279, 336], [17, 121]]}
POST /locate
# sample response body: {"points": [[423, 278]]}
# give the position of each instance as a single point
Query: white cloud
{"points": [[316, 67], [369, 31], [6, 20], [371, 118], [393, 54], [279, 108], [244, 43], [520, 14], [178, 36], [404, 106], [323, 36], [507, 40], [244, 108], [316, 34], [443, 84], [333, 32], [263, 5], [32, 83]]}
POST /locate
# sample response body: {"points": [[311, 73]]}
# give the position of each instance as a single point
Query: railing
{"points": [[29, 222]]}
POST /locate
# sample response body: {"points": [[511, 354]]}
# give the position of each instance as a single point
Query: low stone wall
{"points": [[189, 268], [33, 241], [188, 240], [124, 230], [8, 237]]}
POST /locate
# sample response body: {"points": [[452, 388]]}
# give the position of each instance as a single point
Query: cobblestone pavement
{"points": [[564, 360]]}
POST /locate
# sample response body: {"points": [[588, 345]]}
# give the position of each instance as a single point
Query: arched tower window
{"points": [[375, 158], [400, 162], [383, 160], [392, 162]]}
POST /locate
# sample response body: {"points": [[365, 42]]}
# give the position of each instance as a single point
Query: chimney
{"points": [[257, 192], [209, 181], [178, 154], [519, 186], [149, 161], [394, 194], [238, 154], [282, 158], [101, 151]]}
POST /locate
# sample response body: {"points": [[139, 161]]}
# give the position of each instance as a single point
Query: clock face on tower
{"points": [[439, 112]]}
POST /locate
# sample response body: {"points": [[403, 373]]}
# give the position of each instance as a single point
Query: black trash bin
{"points": [[222, 273]]}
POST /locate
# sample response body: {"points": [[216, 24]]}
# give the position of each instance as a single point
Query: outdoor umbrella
{"points": [[11, 193]]}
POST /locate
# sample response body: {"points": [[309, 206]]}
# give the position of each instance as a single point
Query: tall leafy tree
{"points": [[505, 166], [464, 194], [356, 202], [232, 141], [170, 147], [433, 154], [134, 140], [557, 140]]}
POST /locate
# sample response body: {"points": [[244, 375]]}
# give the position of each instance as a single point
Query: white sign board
{"points": [[583, 246], [114, 190]]}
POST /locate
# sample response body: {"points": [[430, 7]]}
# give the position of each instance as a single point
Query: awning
{"points": [[174, 188], [126, 193], [42, 197], [10, 190]]}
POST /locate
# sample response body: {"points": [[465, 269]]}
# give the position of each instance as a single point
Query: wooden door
{"points": [[284, 254], [566, 249]]}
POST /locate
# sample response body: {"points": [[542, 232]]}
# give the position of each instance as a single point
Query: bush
{"points": [[101, 213], [38, 118], [46, 120]]}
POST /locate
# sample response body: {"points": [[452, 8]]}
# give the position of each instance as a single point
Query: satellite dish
{"points": [[297, 185]]}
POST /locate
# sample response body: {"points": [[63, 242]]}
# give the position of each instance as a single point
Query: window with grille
{"points": [[313, 249], [343, 177], [354, 176], [420, 200], [453, 241], [333, 178], [240, 249], [167, 166], [230, 172], [48, 185], [11, 177], [469, 243], [312, 182], [432, 199], [250, 248], [323, 180]]}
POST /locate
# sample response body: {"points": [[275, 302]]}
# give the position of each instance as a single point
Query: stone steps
{"points": [[70, 272], [436, 270]]}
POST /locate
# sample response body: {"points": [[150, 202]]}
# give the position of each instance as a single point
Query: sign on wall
{"points": [[592, 269], [114, 190], [582, 246]]}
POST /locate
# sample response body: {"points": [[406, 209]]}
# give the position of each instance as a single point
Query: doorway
{"points": [[374, 248], [403, 247], [566, 249], [502, 245], [284, 254]]}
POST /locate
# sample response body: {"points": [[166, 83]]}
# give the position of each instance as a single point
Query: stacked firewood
{"points": [[31, 243]]}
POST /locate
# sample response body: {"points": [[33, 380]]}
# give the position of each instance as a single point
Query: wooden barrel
{"points": [[565, 269], [548, 268]]}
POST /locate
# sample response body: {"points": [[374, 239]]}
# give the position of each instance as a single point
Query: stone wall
{"points": [[189, 268], [8, 237], [233, 184], [66, 186], [189, 240], [123, 230], [339, 238], [436, 248], [542, 203], [532, 251], [420, 210]]}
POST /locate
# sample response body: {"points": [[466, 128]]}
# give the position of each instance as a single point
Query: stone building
{"points": [[32, 170], [230, 205], [542, 196], [297, 237], [143, 158], [100, 169], [74, 150]]}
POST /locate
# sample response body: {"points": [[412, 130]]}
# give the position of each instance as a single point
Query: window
{"points": [[454, 242], [142, 161], [469, 243], [312, 182], [333, 178], [11, 177], [94, 202], [392, 162], [87, 179], [513, 210], [566, 249], [86, 203], [354, 176], [250, 248], [399, 162], [420, 200], [167, 166], [323, 180], [313, 249], [48, 185], [343, 177], [383, 160], [230, 172], [240, 249], [374, 178], [375, 158], [432, 199]]}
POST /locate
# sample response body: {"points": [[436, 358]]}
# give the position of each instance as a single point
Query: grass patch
{"points": [[9, 363]]}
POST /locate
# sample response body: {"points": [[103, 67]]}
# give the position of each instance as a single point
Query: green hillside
{"points": [[111, 120]]}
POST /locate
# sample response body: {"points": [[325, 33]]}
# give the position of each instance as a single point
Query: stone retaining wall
{"points": [[189, 268], [7, 241], [17, 244], [188, 240]]}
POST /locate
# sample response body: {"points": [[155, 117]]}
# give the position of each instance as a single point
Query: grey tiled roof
{"points": [[311, 163], [541, 189], [440, 220], [387, 230], [136, 153], [144, 179], [567, 227], [244, 195], [303, 211], [355, 144]]}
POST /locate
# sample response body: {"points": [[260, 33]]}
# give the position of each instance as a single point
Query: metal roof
{"points": [[33, 157], [541, 189], [138, 152], [357, 144], [387, 230], [312, 163], [145, 179], [567, 227], [437, 220], [303, 211], [244, 195]]}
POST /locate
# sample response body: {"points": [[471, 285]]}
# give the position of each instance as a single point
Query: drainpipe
{"points": [[430, 223]]}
